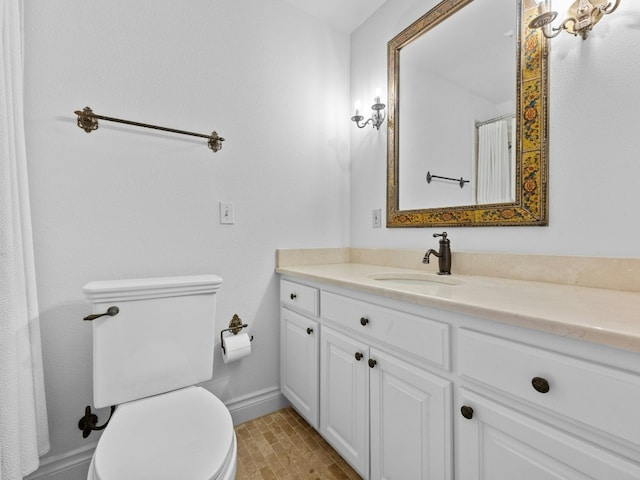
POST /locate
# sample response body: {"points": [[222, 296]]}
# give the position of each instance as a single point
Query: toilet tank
{"points": [[162, 338]]}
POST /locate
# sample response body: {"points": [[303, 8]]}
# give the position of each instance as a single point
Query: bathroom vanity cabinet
{"points": [[382, 413], [299, 343], [378, 407], [406, 391], [378, 410]]}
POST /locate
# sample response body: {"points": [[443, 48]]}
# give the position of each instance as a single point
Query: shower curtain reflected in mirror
{"points": [[496, 161]]}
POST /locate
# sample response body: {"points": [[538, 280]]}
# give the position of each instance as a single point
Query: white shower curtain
{"points": [[24, 432], [494, 164]]}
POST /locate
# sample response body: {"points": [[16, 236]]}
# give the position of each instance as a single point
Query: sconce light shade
{"points": [[377, 117], [581, 18]]}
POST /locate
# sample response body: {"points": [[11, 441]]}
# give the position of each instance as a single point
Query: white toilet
{"points": [[146, 360]]}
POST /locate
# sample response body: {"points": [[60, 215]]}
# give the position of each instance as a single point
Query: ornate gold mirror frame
{"points": [[531, 190]]}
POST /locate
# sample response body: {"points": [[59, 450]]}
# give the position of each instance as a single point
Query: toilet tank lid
{"points": [[141, 288]]}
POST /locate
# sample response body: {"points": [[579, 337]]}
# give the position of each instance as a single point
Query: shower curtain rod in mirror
{"points": [[88, 121]]}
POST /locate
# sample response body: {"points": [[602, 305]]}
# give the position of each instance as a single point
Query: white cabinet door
{"points": [[410, 422], [344, 397], [299, 364], [498, 443]]}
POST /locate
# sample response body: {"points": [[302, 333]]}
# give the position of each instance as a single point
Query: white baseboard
{"points": [[74, 464], [256, 404]]}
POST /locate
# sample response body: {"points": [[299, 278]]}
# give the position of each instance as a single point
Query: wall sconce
{"points": [[581, 17], [377, 117]]}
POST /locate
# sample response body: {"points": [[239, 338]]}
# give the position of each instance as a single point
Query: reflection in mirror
{"points": [[495, 160], [467, 117], [462, 73]]}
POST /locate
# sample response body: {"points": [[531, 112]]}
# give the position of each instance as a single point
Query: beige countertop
{"points": [[608, 317]]}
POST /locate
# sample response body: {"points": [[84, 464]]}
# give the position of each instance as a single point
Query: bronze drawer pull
{"points": [[309, 331], [540, 384], [359, 356], [293, 296], [467, 412], [364, 321], [372, 363]]}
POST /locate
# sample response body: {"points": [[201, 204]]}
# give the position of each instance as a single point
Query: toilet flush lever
{"points": [[111, 312]]}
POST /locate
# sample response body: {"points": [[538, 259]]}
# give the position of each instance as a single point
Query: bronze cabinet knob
{"points": [[540, 384], [359, 356], [372, 363], [309, 331], [467, 412], [293, 296], [364, 321]]}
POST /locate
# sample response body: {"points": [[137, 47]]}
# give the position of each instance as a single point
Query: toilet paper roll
{"points": [[236, 347]]}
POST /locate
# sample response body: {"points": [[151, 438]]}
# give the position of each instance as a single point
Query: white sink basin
{"points": [[413, 278]]}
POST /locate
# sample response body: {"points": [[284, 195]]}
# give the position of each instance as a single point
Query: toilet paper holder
{"points": [[235, 327]]}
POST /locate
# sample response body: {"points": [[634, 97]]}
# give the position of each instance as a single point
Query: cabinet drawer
{"points": [[499, 443], [299, 297], [598, 396], [418, 336]]}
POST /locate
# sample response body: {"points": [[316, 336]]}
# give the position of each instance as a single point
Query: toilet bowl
{"points": [[182, 435], [147, 359]]}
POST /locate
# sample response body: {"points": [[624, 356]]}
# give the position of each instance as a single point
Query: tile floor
{"points": [[282, 446]]}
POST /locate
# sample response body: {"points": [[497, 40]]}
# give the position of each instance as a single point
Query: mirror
{"points": [[468, 117]]}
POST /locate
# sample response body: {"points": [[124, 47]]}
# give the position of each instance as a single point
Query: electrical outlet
{"points": [[226, 213], [376, 219]]}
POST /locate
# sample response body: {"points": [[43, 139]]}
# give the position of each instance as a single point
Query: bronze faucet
{"points": [[444, 255]]}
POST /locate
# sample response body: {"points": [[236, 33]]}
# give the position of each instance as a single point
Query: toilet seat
{"points": [[186, 434]]}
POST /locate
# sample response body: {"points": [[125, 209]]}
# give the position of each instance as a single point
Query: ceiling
{"points": [[343, 15]]}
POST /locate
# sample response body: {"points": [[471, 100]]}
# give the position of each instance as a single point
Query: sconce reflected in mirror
{"points": [[377, 117], [581, 17]]}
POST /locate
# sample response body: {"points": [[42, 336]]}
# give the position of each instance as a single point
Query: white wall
{"points": [[448, 127], [594, 144], [125, 202]]}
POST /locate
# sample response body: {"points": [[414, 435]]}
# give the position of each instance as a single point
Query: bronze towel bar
{"points": [[461, 181], [88, 121]]}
